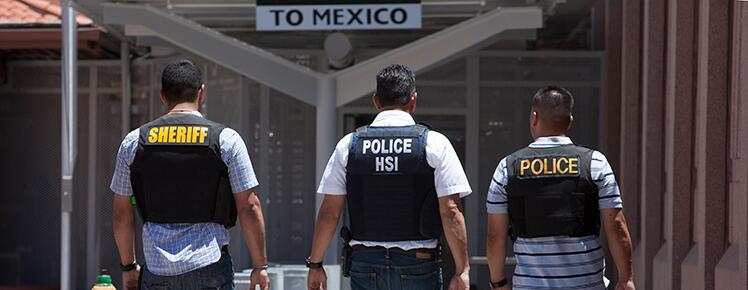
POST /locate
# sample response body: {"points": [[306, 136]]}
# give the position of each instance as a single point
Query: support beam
{"points": [[356, 81], [325, 145], [126, 86], [250, 61], [69, 136], [732, 270]]}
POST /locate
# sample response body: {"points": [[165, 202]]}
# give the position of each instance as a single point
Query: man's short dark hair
{"points": [[395, 84], [554, 106], [180, 81]]}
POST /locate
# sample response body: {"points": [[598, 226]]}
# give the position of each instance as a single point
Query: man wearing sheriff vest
{"points": [[552, 197], [190, 178], [402, 183]]}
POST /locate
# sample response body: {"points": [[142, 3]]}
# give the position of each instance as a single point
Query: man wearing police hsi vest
{"points": [[402, 183], [552, 195], [182, 170]]}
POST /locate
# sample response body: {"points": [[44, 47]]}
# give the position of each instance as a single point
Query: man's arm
{"points": [[498, 227], [327, 223], [619, 241], [453, 221], [252, 223], [123, 221]]}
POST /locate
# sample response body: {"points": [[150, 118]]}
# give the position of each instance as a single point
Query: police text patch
{"points": [[389, 148], [178, 135], [548, 166]]}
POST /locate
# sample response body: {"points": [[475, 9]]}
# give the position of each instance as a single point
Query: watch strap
{"points": [[312, 265], [498, 284], [129, 267]]}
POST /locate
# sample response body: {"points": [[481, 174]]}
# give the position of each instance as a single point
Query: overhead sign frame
{"points": [[296, 15]]}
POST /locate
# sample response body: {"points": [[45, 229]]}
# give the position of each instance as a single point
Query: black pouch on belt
{"points": [[347, 253]]}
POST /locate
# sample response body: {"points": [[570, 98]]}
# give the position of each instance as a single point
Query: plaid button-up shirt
{"points": [[173, 249]]}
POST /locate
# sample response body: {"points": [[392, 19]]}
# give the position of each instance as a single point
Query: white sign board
{"points": [[286, 15]]}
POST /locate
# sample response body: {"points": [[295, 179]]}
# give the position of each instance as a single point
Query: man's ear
{"points": [[200, 96], [413, 102], [376, 103], [571, 121], [163, 99], [534, 118]]}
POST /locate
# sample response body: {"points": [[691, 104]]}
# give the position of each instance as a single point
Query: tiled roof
{"points": [[34, 12]]}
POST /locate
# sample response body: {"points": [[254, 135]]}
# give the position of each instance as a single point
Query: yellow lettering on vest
{"points": [[545, 167], [203, 134], [536, 166], [573, 165], [188, 137], [565, 169], [524, 164], [194, 130], [180, 134], [172, 134], [162, 134], [153, 135]]}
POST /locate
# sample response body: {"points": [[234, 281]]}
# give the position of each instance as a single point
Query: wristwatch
{"points": [[311, 265], [498, 284], [129, 267]]}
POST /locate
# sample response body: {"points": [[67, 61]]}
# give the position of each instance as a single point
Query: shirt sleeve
{"points": [[234, 153], [449, 177], [333, 179], [497, 199], [609, 194], [121, 184]]}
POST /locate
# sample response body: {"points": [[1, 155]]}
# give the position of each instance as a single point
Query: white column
{"points": [[326, 140], [69, 135]]}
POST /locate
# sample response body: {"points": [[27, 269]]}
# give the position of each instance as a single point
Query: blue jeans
{"points": [[392, 270], [219, 275]]}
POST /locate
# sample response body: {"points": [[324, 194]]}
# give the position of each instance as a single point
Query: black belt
{"points": [[421, 253]]}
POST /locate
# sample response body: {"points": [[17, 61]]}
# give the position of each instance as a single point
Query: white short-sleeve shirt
{"points": [[449, 177]]}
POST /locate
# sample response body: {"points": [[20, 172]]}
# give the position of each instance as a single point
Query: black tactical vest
{"points": [[178, 175], [390, 185], [551, 192]]}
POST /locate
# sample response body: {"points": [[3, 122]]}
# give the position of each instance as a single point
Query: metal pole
{"points": [[69, 135], [326, 140], [126, 91]]}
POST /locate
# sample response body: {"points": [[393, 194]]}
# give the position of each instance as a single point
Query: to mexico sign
{"points": [[275, 15]]}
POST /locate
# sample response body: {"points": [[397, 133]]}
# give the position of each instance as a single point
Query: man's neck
{"points": [[184, 107], [401, 109], [551, 135]]}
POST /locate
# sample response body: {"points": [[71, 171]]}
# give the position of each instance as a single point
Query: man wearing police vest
{"points": [[190, 178], [552, 197], [402, 183]]}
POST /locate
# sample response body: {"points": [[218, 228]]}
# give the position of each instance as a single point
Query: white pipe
{"points": [[325, 144], [69, 135], [126, 91]]}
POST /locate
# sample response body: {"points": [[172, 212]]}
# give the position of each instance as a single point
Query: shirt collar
{"points": [[393, 118], [551, 141], [195, 113]]}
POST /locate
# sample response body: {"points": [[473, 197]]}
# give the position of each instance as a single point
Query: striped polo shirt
{"points": [[559, 262]]}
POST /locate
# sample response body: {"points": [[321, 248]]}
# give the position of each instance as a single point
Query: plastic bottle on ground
{"points": [[103, 281]]}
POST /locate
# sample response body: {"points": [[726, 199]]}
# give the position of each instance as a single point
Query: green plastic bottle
{"points": [[103, 281]]}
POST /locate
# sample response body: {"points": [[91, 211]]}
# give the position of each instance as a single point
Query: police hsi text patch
{"points": [[548, 166], [178, 135]]}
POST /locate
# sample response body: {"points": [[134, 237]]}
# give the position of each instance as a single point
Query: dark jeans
{"points": [[219, 275], [392, 270]]}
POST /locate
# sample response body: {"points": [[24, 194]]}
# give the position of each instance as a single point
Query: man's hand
{"points": [[625, 285], [460, 282], [259, 277], [131, 279], [317, 279]]}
